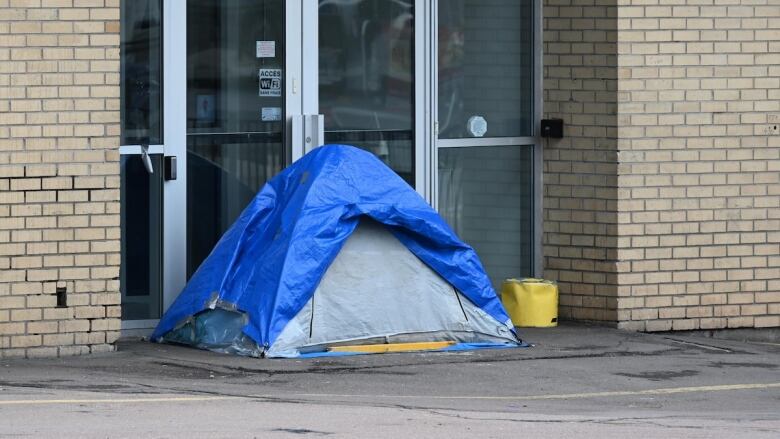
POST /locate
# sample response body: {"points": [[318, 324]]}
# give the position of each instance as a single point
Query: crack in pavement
{"points": [[372, 369], [450, 413]]}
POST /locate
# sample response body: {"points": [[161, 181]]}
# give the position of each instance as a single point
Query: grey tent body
{"points": [[377, 291]]}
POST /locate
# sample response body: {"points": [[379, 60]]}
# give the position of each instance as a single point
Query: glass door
{"points": [[235, 112], [486, 110], [366, 78], [448, 94], [153, 189]]}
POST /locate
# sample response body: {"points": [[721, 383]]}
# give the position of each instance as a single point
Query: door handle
{"points": [[313, 131], [308, 131], [146, 159]]}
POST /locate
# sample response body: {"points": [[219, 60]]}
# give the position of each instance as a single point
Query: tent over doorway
{"points": [[337, 250]]}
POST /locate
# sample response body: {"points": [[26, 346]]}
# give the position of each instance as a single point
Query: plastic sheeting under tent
{"points": [[337, 255]]}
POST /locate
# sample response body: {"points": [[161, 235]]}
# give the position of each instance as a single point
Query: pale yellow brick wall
{"points": [[59, 176], [662, 204], [580, 170], [699, 172]]}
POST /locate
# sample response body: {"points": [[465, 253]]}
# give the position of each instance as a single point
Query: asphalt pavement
{"points": [[574, 381]]}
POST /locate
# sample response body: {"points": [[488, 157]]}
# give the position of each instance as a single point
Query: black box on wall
{"points": [[552, 128]]}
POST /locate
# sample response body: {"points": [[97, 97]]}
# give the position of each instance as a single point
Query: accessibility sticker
{"points": [[270, 82]]}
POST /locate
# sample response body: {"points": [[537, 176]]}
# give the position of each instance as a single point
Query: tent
{"points": [[334, 253]]}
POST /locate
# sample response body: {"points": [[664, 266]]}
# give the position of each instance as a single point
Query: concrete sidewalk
{"points": [[576, 380]]}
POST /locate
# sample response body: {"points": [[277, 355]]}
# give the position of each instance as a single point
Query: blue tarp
{"points": [[269, 263]]}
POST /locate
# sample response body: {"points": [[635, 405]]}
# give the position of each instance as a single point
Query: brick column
{"points": [[662, 204], [580, 170], [59, 176], [699, 199]]}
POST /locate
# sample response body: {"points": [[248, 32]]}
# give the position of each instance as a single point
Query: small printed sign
{"points": [[266, 49], [271, 114], [270, 82]]}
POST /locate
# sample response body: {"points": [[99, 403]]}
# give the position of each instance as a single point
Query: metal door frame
{"points": [[174, 31], [174, 123]]}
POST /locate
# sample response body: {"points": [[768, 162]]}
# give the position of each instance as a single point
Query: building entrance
{"points": [[220, 95]]}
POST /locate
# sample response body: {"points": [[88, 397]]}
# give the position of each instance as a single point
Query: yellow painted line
{"points": [[662, 391], [393, 347], [112, 401], [765, 342]]}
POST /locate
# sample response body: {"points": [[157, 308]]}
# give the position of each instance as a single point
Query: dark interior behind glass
{"points": [[141, 72], [366, 75]]}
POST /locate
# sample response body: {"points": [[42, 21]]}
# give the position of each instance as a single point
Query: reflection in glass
{"points": [[141, 71], [486, 67], [486, 196], [234, 117], [141, 213], [366, 74], [222, 178]]}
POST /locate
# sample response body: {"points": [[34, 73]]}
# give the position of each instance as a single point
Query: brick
{"points": [[25, 341], [42, 328]]}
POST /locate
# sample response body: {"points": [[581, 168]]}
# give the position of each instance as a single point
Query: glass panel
{"points": [[223, 177], [366, 75], [224, 92], [486, 67], [486, 195], [141, 213], [141, 71], [235, 109]]}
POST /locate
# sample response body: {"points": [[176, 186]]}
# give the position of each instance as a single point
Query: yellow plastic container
{"points": [[531, 302]]}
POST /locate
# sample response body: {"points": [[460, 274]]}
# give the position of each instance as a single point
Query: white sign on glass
{"points": [[271, 114], [270, 82], [266, 49]]}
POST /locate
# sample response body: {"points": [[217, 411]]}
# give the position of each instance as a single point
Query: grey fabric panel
{"points": [[377, 289], [482, 323], [294, 335]]}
